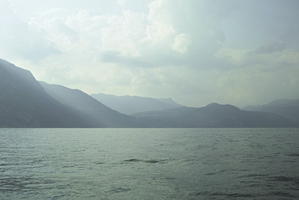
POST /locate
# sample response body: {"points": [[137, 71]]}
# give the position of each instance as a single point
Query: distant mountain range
{"points": [[213, 116], [97, 113], [25, 102], [135, 104], [288, 108]]}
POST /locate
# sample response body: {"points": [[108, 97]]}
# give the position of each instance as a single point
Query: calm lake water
{"points": [[149, 164]]}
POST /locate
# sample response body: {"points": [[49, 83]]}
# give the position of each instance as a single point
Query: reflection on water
{"points": [[149, 164]]}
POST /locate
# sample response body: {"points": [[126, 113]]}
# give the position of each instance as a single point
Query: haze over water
{"points": [[149, 164]]}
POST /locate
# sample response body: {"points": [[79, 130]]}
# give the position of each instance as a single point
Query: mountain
{"points": [[97, 113], [212, 116], [135, 104], [24, 103], [288, 108]]}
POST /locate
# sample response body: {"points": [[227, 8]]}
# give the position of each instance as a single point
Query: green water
{"points": [[150, 164]]}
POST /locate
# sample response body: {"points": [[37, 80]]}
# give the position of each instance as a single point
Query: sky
{"points": [[194, 51]]}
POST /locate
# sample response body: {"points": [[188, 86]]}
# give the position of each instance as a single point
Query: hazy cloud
{"points": [[196, 51], [19, 39], [270, 48]]}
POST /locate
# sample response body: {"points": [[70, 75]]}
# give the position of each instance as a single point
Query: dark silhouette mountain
{"points": [[288, 108], [97, 113], [135, 104], [24, 103], [214, 116]]}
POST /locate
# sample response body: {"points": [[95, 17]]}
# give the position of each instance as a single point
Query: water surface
{"points": [[149, 164]]}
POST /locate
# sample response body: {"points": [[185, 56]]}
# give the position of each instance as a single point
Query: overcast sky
{"points": [[195, 51]]}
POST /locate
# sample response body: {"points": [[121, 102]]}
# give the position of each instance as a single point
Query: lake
{"points": [[149, 164]]}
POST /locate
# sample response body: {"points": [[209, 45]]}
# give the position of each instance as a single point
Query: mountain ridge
{"points": [[134, 104], [214, 116], [99, 114], [285, 107], [25, 102]]}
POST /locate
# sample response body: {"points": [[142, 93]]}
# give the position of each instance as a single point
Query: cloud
{"points": [[270, 48], [196, 51], [116, 57], [155, 38], [18, 38], [181, 43]]}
